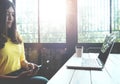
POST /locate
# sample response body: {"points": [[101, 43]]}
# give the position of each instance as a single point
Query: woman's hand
{"points": [[30, 67]]}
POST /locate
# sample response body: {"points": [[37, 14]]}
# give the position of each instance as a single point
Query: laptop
{"points": [[97, 63]]}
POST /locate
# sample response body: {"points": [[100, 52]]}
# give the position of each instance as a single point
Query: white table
{"points": [[109, 75]]}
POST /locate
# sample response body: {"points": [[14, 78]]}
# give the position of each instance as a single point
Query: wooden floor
{"points": [[109, 75]]}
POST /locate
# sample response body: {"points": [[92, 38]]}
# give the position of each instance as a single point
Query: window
{"points": [[52, 21], [93, 20], [42, 20], [115, 14], [96, 18], [27, 19]]}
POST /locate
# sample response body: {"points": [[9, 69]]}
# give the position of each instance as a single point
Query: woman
{"points": [[12, 57]]}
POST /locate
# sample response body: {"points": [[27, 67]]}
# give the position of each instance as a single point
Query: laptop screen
{"points": [[106, 47]]}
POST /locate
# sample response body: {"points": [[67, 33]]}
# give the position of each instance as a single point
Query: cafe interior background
{"points": [[51, 29]]}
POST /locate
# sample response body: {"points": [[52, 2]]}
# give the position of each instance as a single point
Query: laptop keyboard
{"points": [[90, 62]]}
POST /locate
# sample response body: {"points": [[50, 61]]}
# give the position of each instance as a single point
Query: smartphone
{"points": [[39, 66]]}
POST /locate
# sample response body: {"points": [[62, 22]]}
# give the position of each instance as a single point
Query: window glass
{"points": [[116, 18], [42, 21], [52, 21], [27, 19], [93, 20]]}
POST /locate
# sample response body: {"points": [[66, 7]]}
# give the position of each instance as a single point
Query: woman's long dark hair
{"points": [[4, 31]]}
